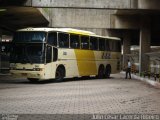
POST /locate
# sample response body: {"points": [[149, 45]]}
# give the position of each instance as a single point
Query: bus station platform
{"points": [[151, 81], [81, 96]]}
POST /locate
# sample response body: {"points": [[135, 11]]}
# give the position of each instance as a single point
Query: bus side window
{"points": [[93, 43], [63, 40], [52, 38], [84, 42], [74, 41], [118, 46], [55, 54], [107, 45], [113, 45], [49, 54], [101, 44]]}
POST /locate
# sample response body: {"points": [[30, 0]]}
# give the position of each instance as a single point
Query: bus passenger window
{"points": [[74, 41], [101, 44], [107, 45], [84, 42], [93, 43], [111, 45], [49, 54], [115, 45], [118, 46], [52, 38], [55, 54], [63, 40]]}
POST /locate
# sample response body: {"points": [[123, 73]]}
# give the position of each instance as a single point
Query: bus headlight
{"points": [[38, 69]]}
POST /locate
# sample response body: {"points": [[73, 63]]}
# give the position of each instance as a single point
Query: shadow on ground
{"points": [[10, 80]]}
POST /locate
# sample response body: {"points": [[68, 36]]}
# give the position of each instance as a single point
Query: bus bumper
{"points": [[27, 74]]}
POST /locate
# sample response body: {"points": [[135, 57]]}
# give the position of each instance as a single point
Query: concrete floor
{"points": [[92, 96]]}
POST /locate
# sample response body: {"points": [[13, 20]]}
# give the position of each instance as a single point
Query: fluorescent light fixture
{"points": [[2, 10]]}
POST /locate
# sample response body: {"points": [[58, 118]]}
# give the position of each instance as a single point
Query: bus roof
{"points": [[68, 30], [107, 37]]}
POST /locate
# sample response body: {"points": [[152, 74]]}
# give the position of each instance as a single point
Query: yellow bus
{"points": [[57, 53]]}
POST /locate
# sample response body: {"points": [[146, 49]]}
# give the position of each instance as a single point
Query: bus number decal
{"points": [[64, 53], [106, 55]]}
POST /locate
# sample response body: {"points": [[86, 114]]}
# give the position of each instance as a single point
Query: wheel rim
{"points": [[100, 74], [108, 71], [58, 75]]}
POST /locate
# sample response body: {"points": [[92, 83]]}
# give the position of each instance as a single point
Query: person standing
{"points": [[128, 70]]}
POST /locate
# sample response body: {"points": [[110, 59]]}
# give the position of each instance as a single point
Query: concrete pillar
{"points": [[145, 39], [126, 47], [0, 50], [0, 35]]}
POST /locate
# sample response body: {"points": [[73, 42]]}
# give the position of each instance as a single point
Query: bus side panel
{"points": [[105, 58], [86, 62], [99, 59], [67, 58], [50, 69], [116, 58]]}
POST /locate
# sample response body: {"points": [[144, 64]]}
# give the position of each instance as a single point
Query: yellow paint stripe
{"points": [[86, 62]]}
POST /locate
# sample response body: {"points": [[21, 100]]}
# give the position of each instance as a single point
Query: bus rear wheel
{"points": [[101, 72], [60, 73], [108, 71]]}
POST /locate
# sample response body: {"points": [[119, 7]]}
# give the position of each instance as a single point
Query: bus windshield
{"points": [[27, 53], [36, 36]]}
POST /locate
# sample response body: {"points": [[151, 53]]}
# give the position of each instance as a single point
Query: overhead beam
{"points": [[81, 18], [92, 18], [124, 22], [86, 4], [18, 17], [149, 4], [96, 4], [118, 4]]}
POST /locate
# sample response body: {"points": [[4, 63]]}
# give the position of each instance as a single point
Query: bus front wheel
{"points": [[60, 73]]}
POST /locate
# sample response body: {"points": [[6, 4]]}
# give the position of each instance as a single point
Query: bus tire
{"points": [[108, 71], [101, 72], [33, 80], [60, 74]]}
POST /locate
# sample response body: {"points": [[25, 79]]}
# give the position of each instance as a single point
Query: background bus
{"points": [[4, 57], [50, 53]]}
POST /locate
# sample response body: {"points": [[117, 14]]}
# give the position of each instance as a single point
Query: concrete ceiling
{"points": [[138, 12], [12, 2], [12, 18]]}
